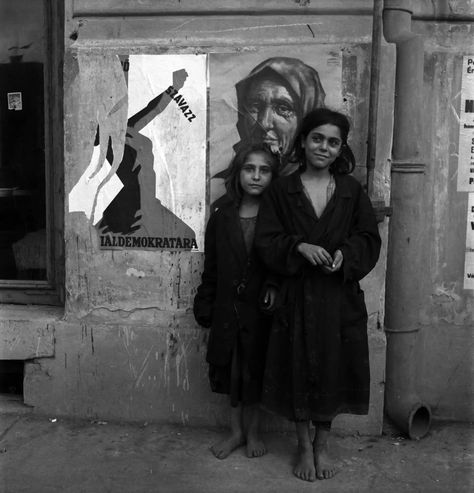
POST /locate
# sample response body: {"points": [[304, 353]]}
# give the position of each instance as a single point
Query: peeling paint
{"points": [[178, 27], [448, 304], [176, 361], [38, 346], [184, 417], [92, 340], [181, 357], [127, 335], [143, 368], [135, 273], [263, 26], [448, 292]]}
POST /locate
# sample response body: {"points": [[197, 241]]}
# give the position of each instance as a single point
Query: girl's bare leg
{"points": [[234, 439], [305, 464], [255, 446], [325, 466]]}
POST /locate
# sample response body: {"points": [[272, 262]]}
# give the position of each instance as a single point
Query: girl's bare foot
{"points": [[255, 447], [305, 464], [324, 465], [304, 468], [223, 449]]}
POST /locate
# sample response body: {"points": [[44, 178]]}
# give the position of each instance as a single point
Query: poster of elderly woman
{"points": [[262, 98]]}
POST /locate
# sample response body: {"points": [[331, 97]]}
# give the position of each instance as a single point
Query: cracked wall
{"points": [[447, 312], [127, 345]]}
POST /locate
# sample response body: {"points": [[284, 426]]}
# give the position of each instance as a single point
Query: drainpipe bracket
{"points": [[407, 166], [401, 331], [380, 209], [403, 5]]}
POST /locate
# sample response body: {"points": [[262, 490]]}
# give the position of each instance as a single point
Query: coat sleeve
{"points": [[206, 292], [361, 248], [274, 242], [271, 281]]}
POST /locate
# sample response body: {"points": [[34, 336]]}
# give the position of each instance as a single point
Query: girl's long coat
{"points": [[218, 305], [317, 361]]}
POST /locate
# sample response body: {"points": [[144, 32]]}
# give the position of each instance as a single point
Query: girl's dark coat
{"points": [[317, 360], [217, 303]]}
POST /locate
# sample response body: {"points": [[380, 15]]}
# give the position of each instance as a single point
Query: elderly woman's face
{"points": [[271, 115]]}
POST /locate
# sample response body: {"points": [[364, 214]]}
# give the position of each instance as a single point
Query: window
{"points": [[31, 137]]}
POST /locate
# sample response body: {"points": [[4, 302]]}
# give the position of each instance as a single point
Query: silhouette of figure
{"points": [[135, 209]]}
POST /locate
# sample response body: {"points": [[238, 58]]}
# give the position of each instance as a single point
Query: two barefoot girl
{"points": [[315, 238]]}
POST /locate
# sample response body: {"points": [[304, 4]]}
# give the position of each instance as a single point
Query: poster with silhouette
{"points": [[155, 198], [262, 97]]}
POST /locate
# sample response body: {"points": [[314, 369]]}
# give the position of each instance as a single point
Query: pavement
{"points": [[46, 454]]}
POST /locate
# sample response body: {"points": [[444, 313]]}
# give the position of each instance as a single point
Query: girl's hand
{"points": [[336, 265], [269, 299], [315, 254]]}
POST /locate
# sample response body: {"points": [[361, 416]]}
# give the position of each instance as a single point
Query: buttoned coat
{"points": [[317, 361], [229, 297]]}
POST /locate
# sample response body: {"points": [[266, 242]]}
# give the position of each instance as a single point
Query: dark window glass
{"points": [[23, 252]]}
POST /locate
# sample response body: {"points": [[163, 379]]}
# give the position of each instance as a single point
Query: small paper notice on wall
{"points": [[466, 162], [469, 261], [15, 101], [470, 224], [466, 128], [469, 271]]}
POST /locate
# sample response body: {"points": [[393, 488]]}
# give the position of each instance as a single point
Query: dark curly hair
{"points": [[345, 163], [232, 180]]}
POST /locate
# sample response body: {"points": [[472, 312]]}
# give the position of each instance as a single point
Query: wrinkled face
{"points": [[322, 146], [271, 115], [255, 174]]}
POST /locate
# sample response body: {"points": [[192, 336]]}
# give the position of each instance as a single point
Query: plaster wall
{"points": [[126, 345], [446, 315]]}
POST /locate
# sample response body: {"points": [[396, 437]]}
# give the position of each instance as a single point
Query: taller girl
{"points": [[317, 229]]}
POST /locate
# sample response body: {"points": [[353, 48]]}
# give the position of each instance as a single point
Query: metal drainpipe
{"points": [[406, 239]]}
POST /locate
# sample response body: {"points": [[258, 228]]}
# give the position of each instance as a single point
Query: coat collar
{"points": [[295, 185], [296, 192]]}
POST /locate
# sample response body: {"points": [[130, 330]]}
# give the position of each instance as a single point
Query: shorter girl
{"points": [[232, 295]]}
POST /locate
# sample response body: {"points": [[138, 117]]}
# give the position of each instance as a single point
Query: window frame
{"points": [[51, 290]]}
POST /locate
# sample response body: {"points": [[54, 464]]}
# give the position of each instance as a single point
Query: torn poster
{"points": [[466, 162], [261, 98], [156, 198], [469, 258], [466, 128], [88, 195]]}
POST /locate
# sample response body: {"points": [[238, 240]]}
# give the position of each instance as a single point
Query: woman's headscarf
{"points": [[301, 80]]}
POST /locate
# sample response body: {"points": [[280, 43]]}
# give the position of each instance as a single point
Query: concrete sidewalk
{"points": [[41, 454]]}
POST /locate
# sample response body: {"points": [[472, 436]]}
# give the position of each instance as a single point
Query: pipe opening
{"points": [[419, 423]]}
